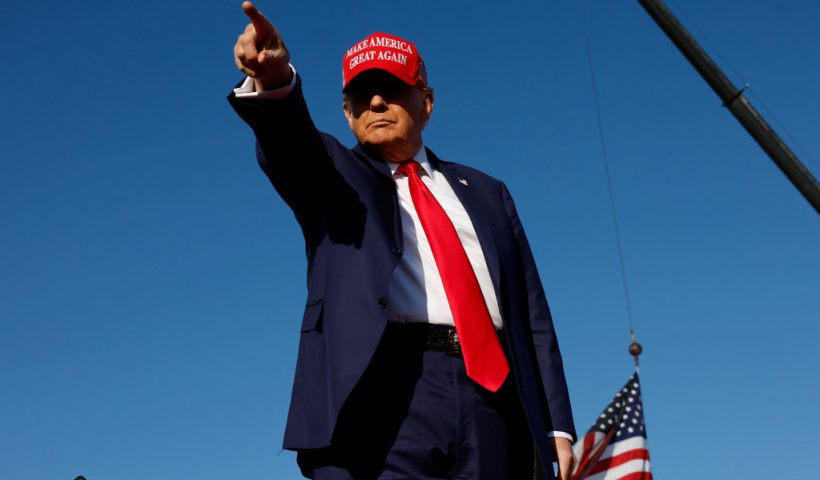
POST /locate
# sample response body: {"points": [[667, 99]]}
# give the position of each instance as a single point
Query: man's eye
{"points": [[362, 97], [392, 91], [388, 92]]}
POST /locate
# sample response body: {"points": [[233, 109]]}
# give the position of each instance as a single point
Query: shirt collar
{"points": [[420, 157]]}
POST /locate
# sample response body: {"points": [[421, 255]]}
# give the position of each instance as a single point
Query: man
{"points": [[427, 349]]}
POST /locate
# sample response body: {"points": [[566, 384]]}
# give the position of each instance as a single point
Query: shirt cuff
{"points": [[248, 89], [560, 435]]}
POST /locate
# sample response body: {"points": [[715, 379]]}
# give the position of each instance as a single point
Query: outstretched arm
{"points": [[290, 149]]}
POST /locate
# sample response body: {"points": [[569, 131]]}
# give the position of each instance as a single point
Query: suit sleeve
{"points": [[290, 150], [547, 352]]}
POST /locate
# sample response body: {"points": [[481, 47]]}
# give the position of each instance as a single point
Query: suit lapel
{"points": [[470, 196], [376, 164], [388, 209]]}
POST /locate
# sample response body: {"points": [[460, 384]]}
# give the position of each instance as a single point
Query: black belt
{"points": [[438, 338]]}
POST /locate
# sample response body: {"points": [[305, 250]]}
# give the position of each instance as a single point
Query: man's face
{"points": [[386, 115]]}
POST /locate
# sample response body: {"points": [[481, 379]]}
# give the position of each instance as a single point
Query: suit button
{"points": [[382, 304], [395, 251]]}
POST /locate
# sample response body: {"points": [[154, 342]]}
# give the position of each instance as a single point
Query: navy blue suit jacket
{"points": [[346, 204]]}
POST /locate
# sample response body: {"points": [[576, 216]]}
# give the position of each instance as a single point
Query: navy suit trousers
{"points": [[416, 415]]}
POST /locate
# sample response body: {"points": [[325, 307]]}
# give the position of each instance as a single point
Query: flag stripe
{"points": [[589, 442], [621, 471], [590, 439], [623, 446], [637, 476], [619, 460]]}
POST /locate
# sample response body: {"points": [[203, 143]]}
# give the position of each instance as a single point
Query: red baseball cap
{"points": [[385, 52]]}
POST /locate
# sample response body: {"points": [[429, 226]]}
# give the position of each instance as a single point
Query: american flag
{"points": [[614, 448]]}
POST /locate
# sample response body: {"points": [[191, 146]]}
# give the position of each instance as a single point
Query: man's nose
{"points": [[378, 102]]}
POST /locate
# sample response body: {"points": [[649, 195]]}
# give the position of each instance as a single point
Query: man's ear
{"points": [[348, 113], [429, 100]]}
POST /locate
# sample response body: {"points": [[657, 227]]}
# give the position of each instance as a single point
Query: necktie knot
{"points": [[409, 167]]}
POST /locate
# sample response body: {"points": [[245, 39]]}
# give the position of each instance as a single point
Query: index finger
{"points": [[260, 22]]}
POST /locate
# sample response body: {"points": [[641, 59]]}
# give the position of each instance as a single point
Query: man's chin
{"points": [[380, 138], [381, 143]]}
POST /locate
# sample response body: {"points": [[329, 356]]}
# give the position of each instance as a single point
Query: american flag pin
{"points": [[463, 181]]}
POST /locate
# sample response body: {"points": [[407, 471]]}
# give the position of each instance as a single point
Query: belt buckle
{"points": [[453, 345]]}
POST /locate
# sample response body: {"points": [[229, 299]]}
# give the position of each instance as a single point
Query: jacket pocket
{"points": [[312, 320]]}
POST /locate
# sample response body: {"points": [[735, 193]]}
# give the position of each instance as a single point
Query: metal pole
{"points": [[734, 100]]}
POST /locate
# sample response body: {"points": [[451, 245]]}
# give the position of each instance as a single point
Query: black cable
{"points": [[606, 164]]}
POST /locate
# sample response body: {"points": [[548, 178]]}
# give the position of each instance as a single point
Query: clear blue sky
{"points": [[152, 282]]}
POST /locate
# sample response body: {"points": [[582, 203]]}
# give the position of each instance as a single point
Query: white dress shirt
{"points": [[415, 292]]}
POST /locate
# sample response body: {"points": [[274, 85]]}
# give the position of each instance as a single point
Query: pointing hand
{"points": [[260, 52]]}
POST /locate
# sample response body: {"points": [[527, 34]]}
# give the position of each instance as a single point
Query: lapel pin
{"points": [[463, 181]]}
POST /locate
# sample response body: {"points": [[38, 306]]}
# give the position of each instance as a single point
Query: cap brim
{"points": [[393, 74]]}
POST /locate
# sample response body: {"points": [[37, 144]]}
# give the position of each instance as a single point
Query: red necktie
{"points": [[483, 357]]}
